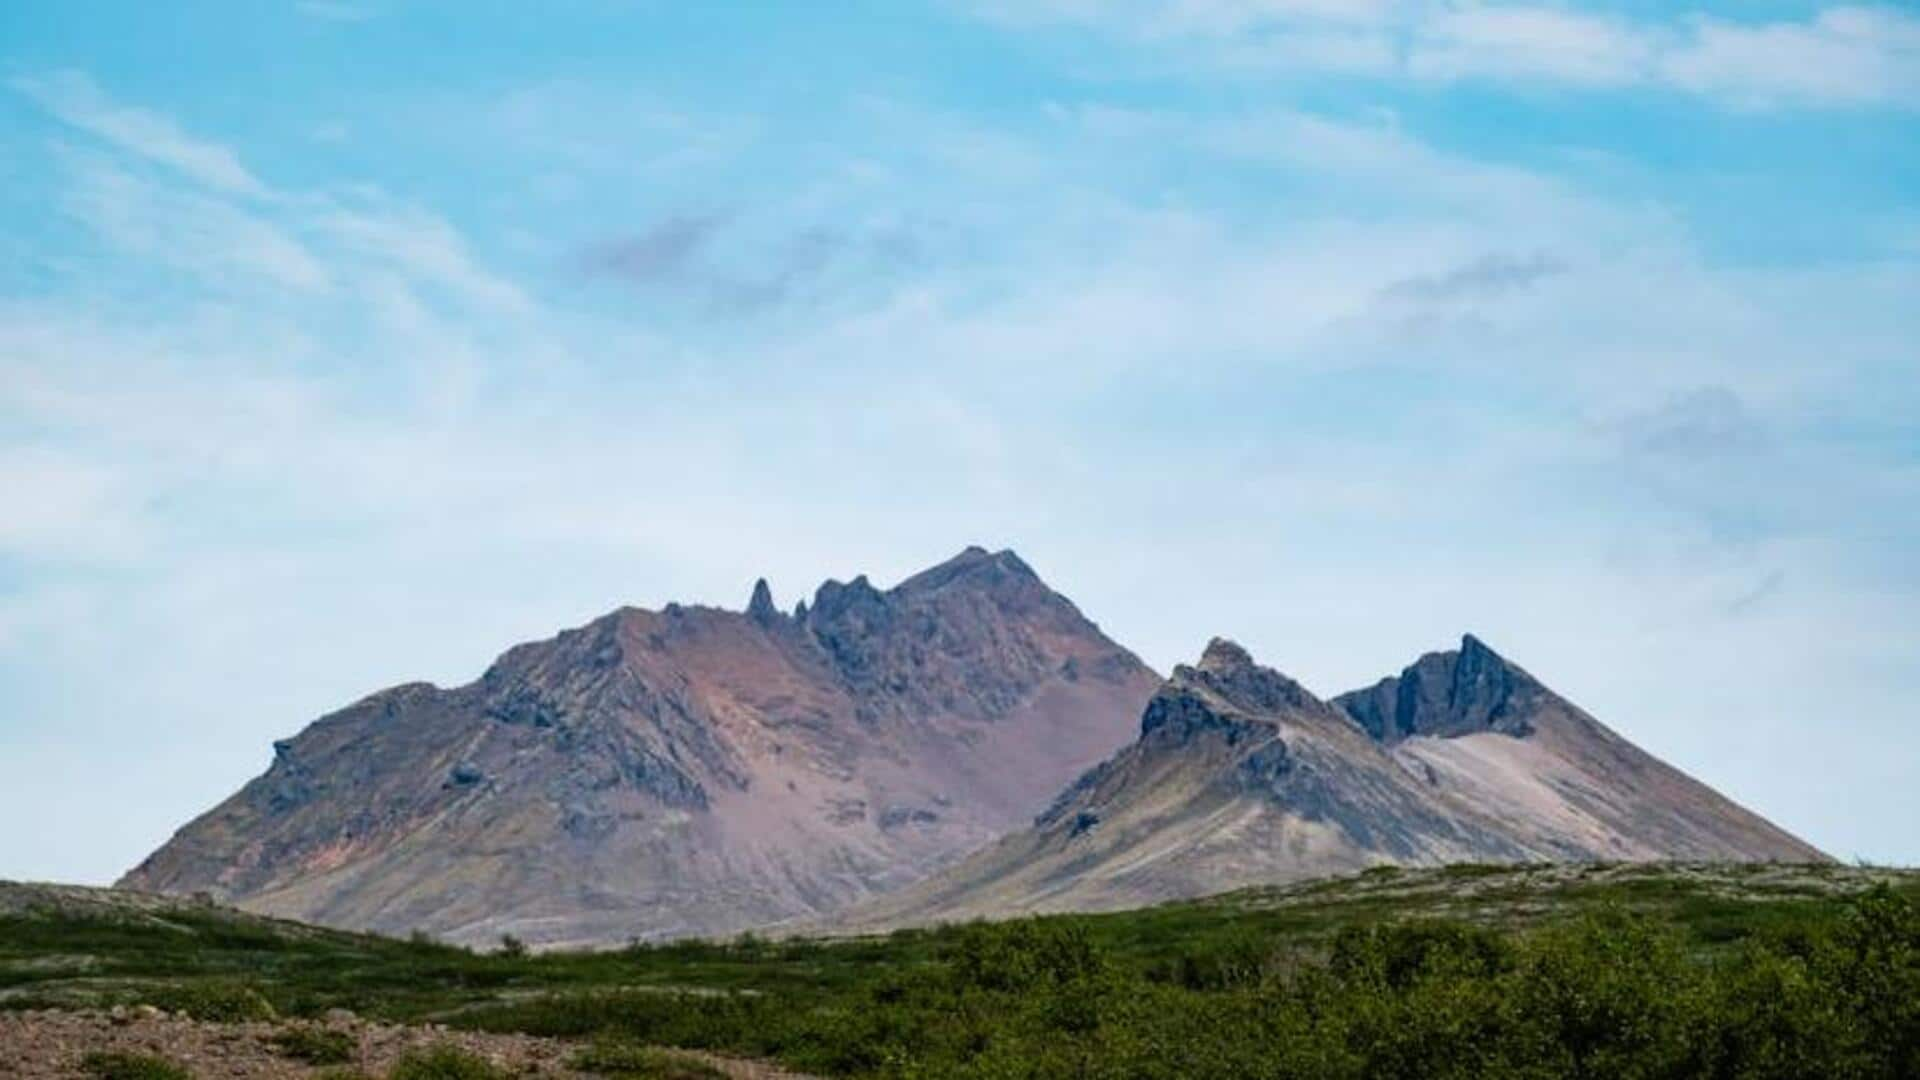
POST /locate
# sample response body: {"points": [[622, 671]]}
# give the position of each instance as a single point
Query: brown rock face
{"points": [[1240, 776], [691, 771]]}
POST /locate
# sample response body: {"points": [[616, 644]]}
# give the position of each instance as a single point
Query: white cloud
{"points": [[187, 229], [76, 99], [1839, 56], [229, 227], [62, 508], [1843, 56], [1529, 43], [426, 247]]}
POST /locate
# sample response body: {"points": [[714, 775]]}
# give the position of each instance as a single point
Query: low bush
{"points": [[625, 1061], [1607, 994], [445, 1061], [313, 1045], [220, 1002]]}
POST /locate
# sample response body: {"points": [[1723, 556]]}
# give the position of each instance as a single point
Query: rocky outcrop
{"points": [[691, 770], [1448, 693]]}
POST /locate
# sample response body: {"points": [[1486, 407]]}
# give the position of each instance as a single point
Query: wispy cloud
{"points": [[1841, 56], [681, 255], [1707, 422], [1487, 276], [187, 228], [1516, 43], [667, 250], [76, 99], [425, 247]]}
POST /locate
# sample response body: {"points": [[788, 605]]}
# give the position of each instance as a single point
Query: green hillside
{"points": [[1467, 971]]}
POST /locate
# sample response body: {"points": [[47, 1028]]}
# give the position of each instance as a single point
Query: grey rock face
{"points": [[1447, 693], [760, 608]]}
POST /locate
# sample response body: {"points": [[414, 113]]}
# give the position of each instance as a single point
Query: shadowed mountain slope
{"points": [[689, 771]]}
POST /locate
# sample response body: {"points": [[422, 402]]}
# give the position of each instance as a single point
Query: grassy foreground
{"points": [[1464, 972]]}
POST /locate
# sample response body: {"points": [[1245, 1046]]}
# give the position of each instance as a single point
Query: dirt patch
{"points": [[43, 1045]]}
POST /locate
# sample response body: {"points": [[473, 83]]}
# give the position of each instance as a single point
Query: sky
{"points": [[349, 342]]}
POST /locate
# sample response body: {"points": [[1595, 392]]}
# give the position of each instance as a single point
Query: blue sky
{"points": [[347, 342]]}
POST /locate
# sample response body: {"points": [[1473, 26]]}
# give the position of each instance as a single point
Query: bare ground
{"points": [[47, 1044]]}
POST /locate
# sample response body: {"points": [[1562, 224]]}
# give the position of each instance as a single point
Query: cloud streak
{"points": [[665, 252], [1840, 57], [76, 99], [1488, 276]]}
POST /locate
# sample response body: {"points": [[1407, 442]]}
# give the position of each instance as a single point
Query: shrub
{"points": [[314, 1045], [1021, 955], [444, 1061], [214, 1001], [630, 1062]]}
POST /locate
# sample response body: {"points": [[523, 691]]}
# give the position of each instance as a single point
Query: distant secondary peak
{"points": [[760, 609], [1229, 671]]}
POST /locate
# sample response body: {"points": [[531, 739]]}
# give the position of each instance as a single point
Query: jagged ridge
{"points": [[682, 771], [1241, 776]]}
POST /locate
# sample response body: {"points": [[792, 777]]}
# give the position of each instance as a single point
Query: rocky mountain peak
{"points": [[1229, 672], [760, 608], [977, 567], [1226, 693], [1446, 694], [1224, 655], [834, 601]]}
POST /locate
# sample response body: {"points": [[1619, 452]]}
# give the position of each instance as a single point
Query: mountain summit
{"points": [[1449, 693], [687, 771], [1241, 776]]}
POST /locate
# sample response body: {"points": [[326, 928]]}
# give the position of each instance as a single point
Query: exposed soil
{"points": [[41, 1045]]}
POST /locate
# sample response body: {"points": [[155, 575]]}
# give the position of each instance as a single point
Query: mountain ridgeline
{"points": [[1240, 776], [681, 772], [696, 771]]}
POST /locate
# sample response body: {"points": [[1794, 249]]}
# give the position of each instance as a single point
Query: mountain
{"points": [[1240, 776], [687, 771], [1566, 786]]}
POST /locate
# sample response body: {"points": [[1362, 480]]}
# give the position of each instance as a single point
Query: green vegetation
{"points": [[626, 1061], [214, 999], [314, 1045], [117, 1066], [445, 1062], [1464, 972]]}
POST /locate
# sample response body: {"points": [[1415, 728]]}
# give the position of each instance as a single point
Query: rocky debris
{"points": [[46, 1044]]}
